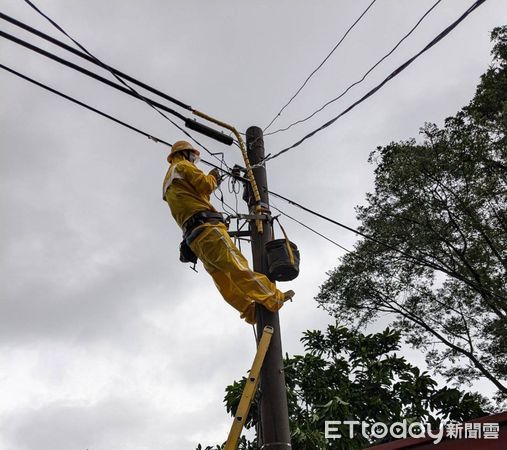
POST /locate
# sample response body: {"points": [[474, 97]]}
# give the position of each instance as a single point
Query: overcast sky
{"points": [[107, 341]]}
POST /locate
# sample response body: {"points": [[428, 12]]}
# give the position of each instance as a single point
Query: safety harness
{"points": [[192, 228]]}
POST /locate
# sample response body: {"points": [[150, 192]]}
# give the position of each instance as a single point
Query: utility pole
{"points": [[275, 432]]}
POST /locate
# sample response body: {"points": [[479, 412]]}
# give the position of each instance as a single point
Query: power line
{"points": [[422, 261], [84, 105], [101, 113], [311, 229], [362, 78], [396, 72], [111, 84], [92, 60], [225, 172], [335, 222], [319, 66], [358, 255], [86, 72], [189, 123], [360, 233]]}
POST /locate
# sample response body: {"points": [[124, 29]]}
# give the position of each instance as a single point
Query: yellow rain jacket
{"points": [[187, 190]]}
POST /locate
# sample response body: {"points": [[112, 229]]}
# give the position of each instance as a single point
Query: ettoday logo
{"points": [[402, 430]]}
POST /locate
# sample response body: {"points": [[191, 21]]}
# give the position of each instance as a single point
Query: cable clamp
{"points": [[262, 162], [154, 139]]}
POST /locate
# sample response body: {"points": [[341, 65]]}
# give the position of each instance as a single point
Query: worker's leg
{"points": [[237, 283]]}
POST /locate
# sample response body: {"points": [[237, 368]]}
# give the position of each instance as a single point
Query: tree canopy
{"points": [[437, 254], [346, 375]]}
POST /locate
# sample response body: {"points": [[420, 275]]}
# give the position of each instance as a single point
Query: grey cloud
{"points": [[89, 250], [111, 423]]}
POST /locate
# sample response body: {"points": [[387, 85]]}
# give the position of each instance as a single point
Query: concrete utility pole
{"points": [[273, 405]]}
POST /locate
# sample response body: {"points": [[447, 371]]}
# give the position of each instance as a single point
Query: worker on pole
{"points": [[187, 190]]}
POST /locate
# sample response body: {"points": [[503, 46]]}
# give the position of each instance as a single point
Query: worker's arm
{"points": [[204, 184]]}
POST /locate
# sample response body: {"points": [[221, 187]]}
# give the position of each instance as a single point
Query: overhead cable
{"points": [[363, 77], [335, 222], [396, 72], [101, 113], [417, 259], [109, 83], [353, 230], [84, 105], [93, 60], [188, 122], [311, 229], [358, 255], [85, 72], [319, 66], [228, 173]]}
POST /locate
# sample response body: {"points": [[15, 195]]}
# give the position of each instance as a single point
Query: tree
{"points": [[436, 256], [345, 375]]}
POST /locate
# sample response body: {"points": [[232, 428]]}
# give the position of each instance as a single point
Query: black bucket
{"points": [[280, 267]]}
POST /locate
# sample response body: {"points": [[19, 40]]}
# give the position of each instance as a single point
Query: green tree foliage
{"points": [[441, 202], [345, 375]]}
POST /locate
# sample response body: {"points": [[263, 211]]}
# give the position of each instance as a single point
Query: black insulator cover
{"points": [[207, 131]]}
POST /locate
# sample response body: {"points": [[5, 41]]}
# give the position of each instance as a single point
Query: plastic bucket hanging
{"points": [[283, 259]]}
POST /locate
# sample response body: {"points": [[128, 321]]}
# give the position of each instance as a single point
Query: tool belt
{"points": [[200, 218], [191, 231]]}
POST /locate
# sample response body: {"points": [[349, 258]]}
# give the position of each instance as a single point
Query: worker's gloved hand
{"points": [[214, 173]]}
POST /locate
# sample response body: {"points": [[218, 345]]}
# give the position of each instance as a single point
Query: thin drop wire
{"points": [[393, 74], [318, 67], [362, 78]]}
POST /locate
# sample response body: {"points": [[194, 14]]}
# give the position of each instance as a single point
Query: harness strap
{"points": [[199, 219]]}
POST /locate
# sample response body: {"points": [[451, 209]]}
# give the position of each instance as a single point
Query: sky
{"points": [[107, 341]]}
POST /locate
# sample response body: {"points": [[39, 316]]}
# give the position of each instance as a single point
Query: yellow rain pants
{"points": [[239, 285]]}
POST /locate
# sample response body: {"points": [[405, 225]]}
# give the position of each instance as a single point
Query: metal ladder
{"points": [[249, 390]]}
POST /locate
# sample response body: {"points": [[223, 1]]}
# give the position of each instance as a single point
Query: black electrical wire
{"points": [[310, 228], [103, 114], [225, 172], [92, 60], [359, 256], [346, 227], [363, 77], [85, 72], [353, 230], [396, 72], [422, 261], [319, 66], [84, 105], [134, 92], [112, 84]]}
